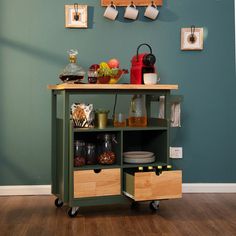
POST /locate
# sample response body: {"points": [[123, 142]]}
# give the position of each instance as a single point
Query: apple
{"points": [[94, 67], [113, 63]]}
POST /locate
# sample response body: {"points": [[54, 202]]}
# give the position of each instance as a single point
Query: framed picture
{"points": [[192, 38], [76, 16]]}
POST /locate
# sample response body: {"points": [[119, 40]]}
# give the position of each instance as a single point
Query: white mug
{"points": [[151, 12], [131, 12], [111, 12], [150, 78]]}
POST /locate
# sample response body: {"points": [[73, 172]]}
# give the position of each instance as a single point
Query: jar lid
{"points": [[79, 143], [90, 145]]}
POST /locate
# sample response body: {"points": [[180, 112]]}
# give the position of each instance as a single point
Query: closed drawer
{"points": [[142, 186], [87, 183]]}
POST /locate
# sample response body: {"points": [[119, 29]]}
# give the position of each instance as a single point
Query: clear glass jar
{"points": [[137, 112], [91, 158], [106, 153], [79, 153]]}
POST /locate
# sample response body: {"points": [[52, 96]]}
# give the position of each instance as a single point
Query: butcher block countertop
{"points": [[143, 87]]}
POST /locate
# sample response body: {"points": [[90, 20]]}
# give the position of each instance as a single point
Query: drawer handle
{"points": [[97, 171]]}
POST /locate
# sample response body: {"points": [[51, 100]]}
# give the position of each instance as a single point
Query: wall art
{"points": [[192, 38], [76, 16]]}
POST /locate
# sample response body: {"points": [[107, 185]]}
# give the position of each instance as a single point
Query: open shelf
{"points": [[127, 2], [153, 124]]}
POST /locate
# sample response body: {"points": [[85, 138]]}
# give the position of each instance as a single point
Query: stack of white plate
{"points": [[138, 157]]}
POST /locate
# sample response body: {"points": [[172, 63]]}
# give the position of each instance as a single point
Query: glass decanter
{"points": [[72, 73]]}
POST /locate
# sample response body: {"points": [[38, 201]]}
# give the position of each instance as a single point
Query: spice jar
{"points": [[91, 154], [79, 153], [106, 155]]}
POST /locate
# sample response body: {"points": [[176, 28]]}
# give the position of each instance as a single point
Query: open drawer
{"points": [[142, 186], [87, 183]]}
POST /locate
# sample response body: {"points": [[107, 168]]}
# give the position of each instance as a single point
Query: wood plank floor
{"points": [[194, 214]]}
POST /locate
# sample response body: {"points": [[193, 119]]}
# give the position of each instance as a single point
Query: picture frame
{"points": [[187, 44], [71, 11]]}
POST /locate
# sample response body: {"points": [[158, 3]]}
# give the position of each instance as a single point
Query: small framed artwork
{"points": [[192, 38], [76, 16]]}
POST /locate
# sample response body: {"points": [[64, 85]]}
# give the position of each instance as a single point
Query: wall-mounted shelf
{"points": [[120, 3]]}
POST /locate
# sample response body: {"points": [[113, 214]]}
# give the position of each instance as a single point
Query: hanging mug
{"points": [[151, 11], [111, 12], [131, 12]]}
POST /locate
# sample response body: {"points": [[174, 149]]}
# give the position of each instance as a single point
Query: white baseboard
{"points": [[25, 190], [209, 188], [187, 188]]}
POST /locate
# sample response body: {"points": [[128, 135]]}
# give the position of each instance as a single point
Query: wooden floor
{"points": [[194, 214]]}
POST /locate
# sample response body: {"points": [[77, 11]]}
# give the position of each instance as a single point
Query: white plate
{"points": [[138, 154], [138, 161]]}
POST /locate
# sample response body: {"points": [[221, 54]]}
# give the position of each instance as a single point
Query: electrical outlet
{"points": [[176, 152]]}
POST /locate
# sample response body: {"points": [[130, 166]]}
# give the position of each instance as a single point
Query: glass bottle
{"points": [[72, 73], [106, 153], [79, 153], [137, 112], [91, 154]]}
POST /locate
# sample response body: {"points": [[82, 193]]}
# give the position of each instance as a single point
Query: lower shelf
{"points": [[96, 167]]}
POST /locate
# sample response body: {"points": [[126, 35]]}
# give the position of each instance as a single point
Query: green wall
{"points": [[33, 44]]}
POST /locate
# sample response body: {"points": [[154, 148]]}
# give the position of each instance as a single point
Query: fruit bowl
{"points": [[112, 79], [108, 72]]}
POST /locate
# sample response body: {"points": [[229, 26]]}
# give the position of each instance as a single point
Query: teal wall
{"points": [[33, 44]]}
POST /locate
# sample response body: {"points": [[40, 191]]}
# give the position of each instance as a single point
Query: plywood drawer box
{"points": [[143, 186], [87, 183]]}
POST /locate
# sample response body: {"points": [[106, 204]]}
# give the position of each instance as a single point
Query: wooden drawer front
{"points": [[149, 186], [87, 183]]}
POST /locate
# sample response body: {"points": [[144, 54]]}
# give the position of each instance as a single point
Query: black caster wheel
{"points": [[134, 205], [58, 202], [73, 212], [154, 205]]}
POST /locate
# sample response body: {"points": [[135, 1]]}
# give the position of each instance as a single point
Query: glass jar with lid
{"points": [[91, 158], [106, 151], [79, 153]]}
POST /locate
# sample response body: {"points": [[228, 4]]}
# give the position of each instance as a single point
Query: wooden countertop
{"points": [[66, 86]]}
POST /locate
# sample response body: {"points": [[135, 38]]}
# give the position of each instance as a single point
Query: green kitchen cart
{"points": [[119, 182]]}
